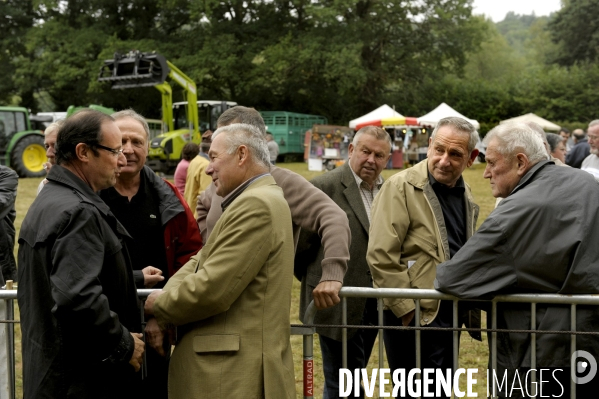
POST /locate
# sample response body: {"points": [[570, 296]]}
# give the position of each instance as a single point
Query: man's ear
{"points": [[523, 163], [83, 152], [473, 156], [243, 153]]}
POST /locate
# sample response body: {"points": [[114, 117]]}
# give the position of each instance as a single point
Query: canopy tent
{"points": [[443, 111], [384, 111], [393, 121], [544, 123]]}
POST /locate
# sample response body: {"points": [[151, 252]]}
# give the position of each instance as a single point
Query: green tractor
{"points": [[21, 147]]}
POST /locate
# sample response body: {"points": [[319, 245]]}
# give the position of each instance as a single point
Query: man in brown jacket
{"points": [[420, 218], [311, 209]]}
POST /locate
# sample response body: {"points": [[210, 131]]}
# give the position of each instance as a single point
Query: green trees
{"points": [[337, 58]]}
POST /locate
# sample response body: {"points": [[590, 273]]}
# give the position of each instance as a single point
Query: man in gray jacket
{"points": [[533, 242]]}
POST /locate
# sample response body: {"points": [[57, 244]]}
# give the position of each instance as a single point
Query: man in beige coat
{"points": [[231, 301], [420, 218]]}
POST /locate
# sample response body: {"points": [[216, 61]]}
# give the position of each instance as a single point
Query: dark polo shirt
{"points": [[141, 218], [454, 211]]}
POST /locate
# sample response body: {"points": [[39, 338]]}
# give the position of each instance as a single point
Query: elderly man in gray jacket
{"points": [[533, 242]]}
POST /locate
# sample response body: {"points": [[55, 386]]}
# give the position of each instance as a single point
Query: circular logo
{"points": [[580, 366]]}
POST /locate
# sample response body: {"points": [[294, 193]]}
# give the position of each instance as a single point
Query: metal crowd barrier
{"points": [[419, 294], [307, 330]]}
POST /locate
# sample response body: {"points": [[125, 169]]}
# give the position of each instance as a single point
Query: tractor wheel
{"points": [[28, 156]]}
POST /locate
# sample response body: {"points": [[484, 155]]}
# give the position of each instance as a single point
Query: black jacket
{"points": [[8, 195], [578, 153], [76, 295]]}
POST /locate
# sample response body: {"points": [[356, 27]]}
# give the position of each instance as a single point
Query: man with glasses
{"points": [[163, 230], [79, 308], [591, 163]]}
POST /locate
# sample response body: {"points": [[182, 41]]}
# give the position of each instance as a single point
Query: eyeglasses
{"points": [[592, 137], [114, 152]]}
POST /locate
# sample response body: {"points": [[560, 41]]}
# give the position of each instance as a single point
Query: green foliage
{"points": [[576, 30]]}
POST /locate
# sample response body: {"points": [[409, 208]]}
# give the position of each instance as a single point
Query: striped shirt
{"points": [[366, 193]]}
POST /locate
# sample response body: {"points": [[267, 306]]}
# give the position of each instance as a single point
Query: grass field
{"points": [[473, 354]]}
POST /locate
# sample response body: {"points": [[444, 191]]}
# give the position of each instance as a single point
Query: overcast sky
{"points": [[496, 9]]}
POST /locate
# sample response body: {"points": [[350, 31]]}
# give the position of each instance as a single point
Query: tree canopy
{"points": [[336, 58]]}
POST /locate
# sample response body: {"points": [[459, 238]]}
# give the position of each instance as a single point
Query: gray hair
{"points": [[238, 134], [517, 137], [244, 115], [374, 131], [594, 123], [554, 140], [53, 127], [462, 126], [129, 113], [539, 130]]}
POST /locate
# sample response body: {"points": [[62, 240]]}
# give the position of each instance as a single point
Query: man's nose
{"points": [[487, 173], [121, 160], [209, 170], [127, 147]]}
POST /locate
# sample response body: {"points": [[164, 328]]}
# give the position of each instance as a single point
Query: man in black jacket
{"points": [[79, 309], [8, 194]]}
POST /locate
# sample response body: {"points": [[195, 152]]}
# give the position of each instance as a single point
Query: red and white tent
{"points": [[382, 116]]}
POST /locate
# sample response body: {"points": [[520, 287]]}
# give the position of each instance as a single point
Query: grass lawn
{"points": [[473, 354]]}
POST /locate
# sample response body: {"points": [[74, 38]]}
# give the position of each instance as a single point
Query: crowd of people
{"points": [[222, 244]]}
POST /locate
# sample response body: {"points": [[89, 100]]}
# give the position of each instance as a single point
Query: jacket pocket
{"points": [[422, 273], [216, 343]]}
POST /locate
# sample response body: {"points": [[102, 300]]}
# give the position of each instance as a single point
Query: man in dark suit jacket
{"points": [[353, 187]]}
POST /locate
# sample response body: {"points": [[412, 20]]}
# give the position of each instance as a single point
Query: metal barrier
{"points": [[419, 294], [307, 330]]}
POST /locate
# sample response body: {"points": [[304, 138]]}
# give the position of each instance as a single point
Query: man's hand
{"points": [[149, 305], [47, 166], [137, 357], [407, 318], [152, 276], [155, 336], [326, 294]]}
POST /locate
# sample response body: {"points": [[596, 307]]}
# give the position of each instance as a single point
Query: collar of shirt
{"points": [[457, 190], [143, 190], [237, 192], [378, 183]]}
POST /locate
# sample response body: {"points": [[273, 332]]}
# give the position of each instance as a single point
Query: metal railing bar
{"points": [[573, 348], [379, 308]]}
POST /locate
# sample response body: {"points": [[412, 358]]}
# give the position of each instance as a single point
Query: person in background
{"points": [[353, 187], [197, 179], [9, 180], [568, 140], [163, 231], [189, 152], [80, 320], [273, 148], [591, 163], [49, 142], [557, 147], [205, 147], [311, 210], [580, 151]]}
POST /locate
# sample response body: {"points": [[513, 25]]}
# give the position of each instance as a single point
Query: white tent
{"points": [[544, 123], [382, 112], [443, 111]]}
